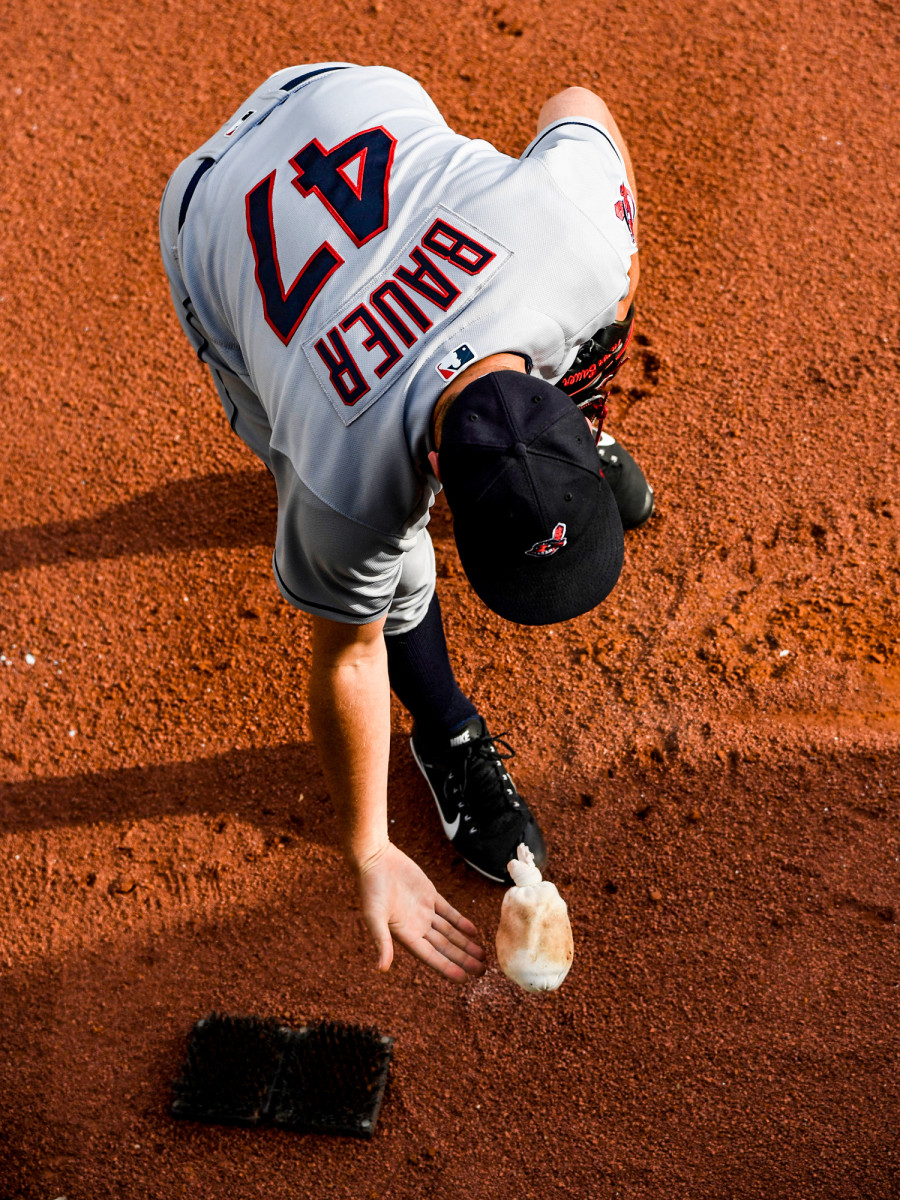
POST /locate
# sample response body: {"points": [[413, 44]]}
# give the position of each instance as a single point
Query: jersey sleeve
{"points": [[586, 165], [328, 564]]}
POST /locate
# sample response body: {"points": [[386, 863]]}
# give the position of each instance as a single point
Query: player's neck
{"points": [[494, 362]]}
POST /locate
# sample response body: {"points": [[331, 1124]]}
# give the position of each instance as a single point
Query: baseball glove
{"points": [[595, 365]]}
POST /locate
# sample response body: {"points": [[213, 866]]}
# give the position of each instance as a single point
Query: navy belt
{"points": [[210, 162]]}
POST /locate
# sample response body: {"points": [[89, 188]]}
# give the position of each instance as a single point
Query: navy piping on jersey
{"points": [[309, 604], [559, 124], [232, 420], [189, 318], [291, 84], [209, 162], [191, 188]]}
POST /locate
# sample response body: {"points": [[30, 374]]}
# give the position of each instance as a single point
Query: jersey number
{"points": [[351, 180]]}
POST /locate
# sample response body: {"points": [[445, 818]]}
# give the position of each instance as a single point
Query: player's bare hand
{"points": [[400, 902]]}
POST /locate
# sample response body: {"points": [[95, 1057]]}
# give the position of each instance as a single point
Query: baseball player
{"points": [[388, 307]]}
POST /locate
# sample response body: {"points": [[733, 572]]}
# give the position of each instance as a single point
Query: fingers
{"points": [[400, 903], [433, 949], [457, 938], [469, 963], [449, 913], [384, 945], [434, 959], [385, 948]]}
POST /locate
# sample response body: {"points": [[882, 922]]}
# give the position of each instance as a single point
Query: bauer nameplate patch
{"points": [[391, 321]]}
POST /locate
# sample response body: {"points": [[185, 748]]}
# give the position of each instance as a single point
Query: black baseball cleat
{"points": [[482, 813], [632, 492]]}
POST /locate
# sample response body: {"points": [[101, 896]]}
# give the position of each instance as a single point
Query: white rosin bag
{"points": [[534, 938]]}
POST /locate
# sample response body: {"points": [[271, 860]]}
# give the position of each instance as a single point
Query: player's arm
{"points": [[350, 713], [581, 102]]}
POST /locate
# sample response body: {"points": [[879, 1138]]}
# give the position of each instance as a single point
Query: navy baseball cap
{"points": [[536, 524]]}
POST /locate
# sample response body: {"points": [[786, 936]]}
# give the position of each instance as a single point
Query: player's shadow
{"points": [[271, 786], [278, 788], [235, 508]]}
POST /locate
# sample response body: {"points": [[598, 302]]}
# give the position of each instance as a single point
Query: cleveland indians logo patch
{"points": [[625, 209], [551, 544]]}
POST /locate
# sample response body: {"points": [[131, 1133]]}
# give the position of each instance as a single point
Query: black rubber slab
{"points": [[325, 1077]]}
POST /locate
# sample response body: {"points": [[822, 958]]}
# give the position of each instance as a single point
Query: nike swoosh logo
{"points": [[450, 828]]}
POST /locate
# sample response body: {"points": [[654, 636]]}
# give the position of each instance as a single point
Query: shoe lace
{"points": [[611, 462], [480, 763]]}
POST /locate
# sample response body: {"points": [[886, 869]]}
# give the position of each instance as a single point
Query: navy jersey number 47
{"points": [[351, 180]]}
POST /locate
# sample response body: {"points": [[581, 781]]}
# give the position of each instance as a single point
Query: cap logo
{"points": [[551, 544]]}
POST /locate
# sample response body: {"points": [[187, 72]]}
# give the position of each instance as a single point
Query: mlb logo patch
{"points": [[455, 361]]}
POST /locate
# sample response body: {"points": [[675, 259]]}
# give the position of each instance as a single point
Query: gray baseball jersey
{"points": [[336, 254]]}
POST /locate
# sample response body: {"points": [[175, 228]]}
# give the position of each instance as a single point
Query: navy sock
{"points": [[422, 678]]}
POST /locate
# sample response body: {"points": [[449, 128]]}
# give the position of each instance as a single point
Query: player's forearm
{"points": [[350, 714]]}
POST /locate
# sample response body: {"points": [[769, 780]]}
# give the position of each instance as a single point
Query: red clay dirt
{"points": [[714, 753]]}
